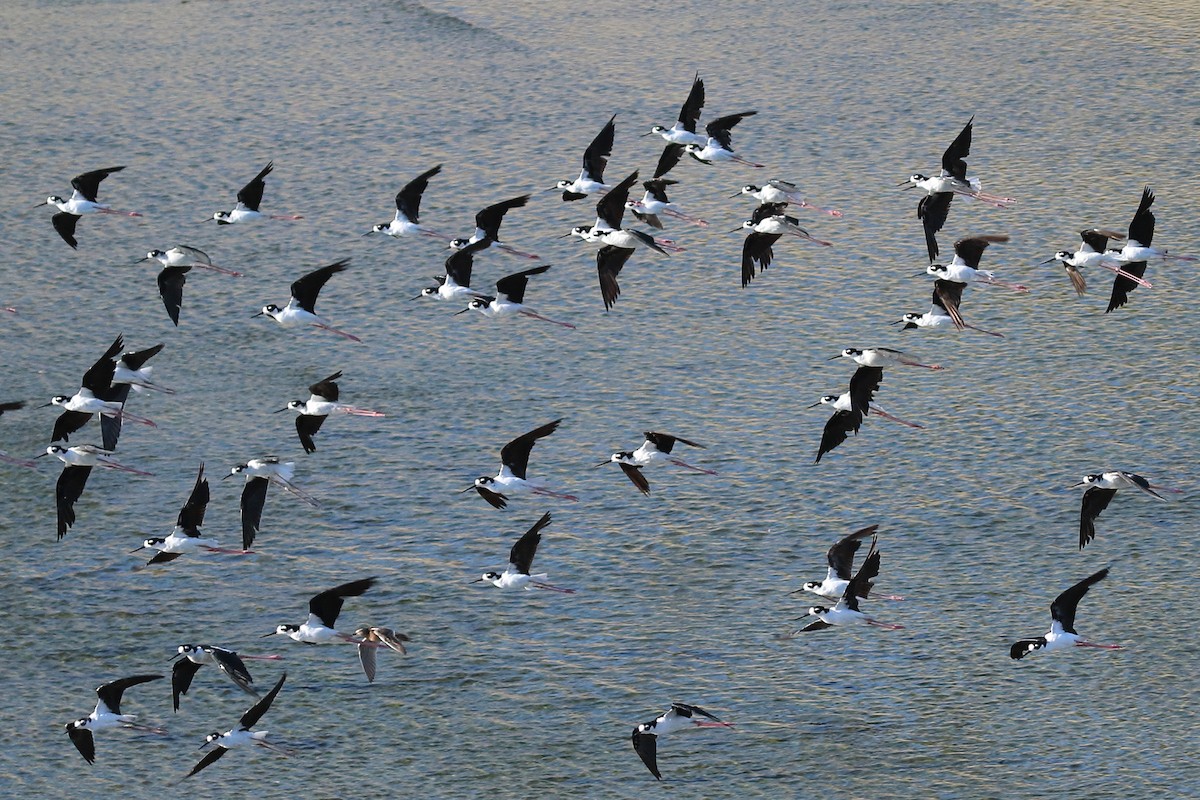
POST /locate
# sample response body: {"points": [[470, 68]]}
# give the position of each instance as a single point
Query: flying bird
{"points": [[249, 198], [408, 209], [510, 298], [371, 638], [107, 715], [953, 179], [83, 200], [656, 449], [185, 537], [514, 465], [846, 611], [595, 159], [260, 474], [520, 558], [322, 401], [1062, 623], [189, 658], [487, 228], [323, 610], [679, 717], [242, 736], [1102, 487]]}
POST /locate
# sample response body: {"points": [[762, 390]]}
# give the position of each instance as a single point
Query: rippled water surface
{"points": [[683, 594]]}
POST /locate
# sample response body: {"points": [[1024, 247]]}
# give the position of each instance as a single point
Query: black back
{"points": [[460, 262], [136, 359], [327, 387], [666, 443], [1063, 607], [609, 261], [251, 194], [88, 184], [1097, 238], [954, 159], [306, 289], [515, 454], [408, 199], [110, 693], [522, 552], [864, 383], [970, 249], [100, 374], [70, 421]]}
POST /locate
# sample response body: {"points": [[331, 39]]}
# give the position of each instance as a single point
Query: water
{"points": [[682, 594]]}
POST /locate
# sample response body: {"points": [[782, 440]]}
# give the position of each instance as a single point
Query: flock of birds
{"points": [[105, 391]]}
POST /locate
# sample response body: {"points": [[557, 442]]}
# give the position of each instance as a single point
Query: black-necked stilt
{"points": [[944, 311], [863, 385], [881, 357], [1091, 253], [779, 191], [79, 461], [130, 369], [107, 715], [953, 177], [1062, 625], [1141, 234], [456, 283], [679, 717], [487, 227], [846, 611], [509, 299], [1102, 486], [260, 474], [371, 639], [840, 558], [607, 230], [323, 610], [514, 463], [13, 405], [683, 131], [965, 266], [93, 397], [408, 209], [189, 658], [655, 202], [719, 144], [177, 263], [249, 197], [82, 201], [242, 735], [655, 450], [595, 159], [300, 308], [185, 538], [322, 401], [520, 558], [767, 224]]}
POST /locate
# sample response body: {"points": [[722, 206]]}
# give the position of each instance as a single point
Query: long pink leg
{"points": [[888, 597], [833, 212], [227, 551], [812, 239], [135, 418], [747, 162], [559, 495], [1127, 276], [20, 462], [887, 626], [147, 728], [1180, 258], [288, 217], [1166, 489], [9, 309], [548, 587], [712, 724], [680, 215], [924, 366], [669, 245], [119, 212], [360, 412], [877, 410], [1016, 287], [435, 234], [1099, 646], [214, 268], [981, 330], [535, 315], [262, 658], [517, 252], [295, 491], [332, 329], [681, 463]]}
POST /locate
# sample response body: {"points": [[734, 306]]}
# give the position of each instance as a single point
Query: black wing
{"points": [[88, 184], [209, 758], [1095, 500], [767, 210], [665, 442], [609, 261], [970, 249], [251, 194], [306, 289], [816, 625], [720, 128], [1141, 229], [689, 114], [684, 710], [162, 558], [841, 555], [100, 374], [232, 665], [328, 604], [513, 286], [254, 497], [932, 210], [839, 426], [757, 250], [1122, 286], [611, 207], [595, 158], [1063, 607], [522, 552], [495, 499], [954, 159], [64, 226], [947, 295], [70, 421], [191, 516], [669, 158], [860, 585], [458, 264], [11, 405], [66, 492], [646, 745], [515, 454], [181, 678], [135, 359], [1097, 238], [864, 383], [84, 742], [635, 475], [251, 717], [170, 288], [408, 199], [488, 220], [306, 426], [110, 693], [110, 427], [327, 387]]}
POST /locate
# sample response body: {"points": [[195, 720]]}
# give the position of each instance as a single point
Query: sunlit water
{"points": [[682, 595]]}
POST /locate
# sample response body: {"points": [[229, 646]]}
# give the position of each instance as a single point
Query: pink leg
{"points": [[1127, 276], [261, 658], [20, 462], [886, 415], [887, 626], [712, 724], [680, 463], [9, 309], [923, 366], [981, 330], [332, 329], [833, 212], [361, 412], [1166, 489], [1016, 287], [680, 215], [135, 418], [295, 491], [1099, 646], [534, 315], [516, 252], [550, 588], [123, 468], [812, 239], [669, 245], [147, 728], [1174, 257], [119, 212], [888, 597], [747, 162], [214, 268], [288, 217], [227, 551], [558, 495]]}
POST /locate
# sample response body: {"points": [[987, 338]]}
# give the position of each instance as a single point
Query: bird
{"points": [[767, 225], [516, 575], [1062, 623], [93, 397], [456, 283], [185, 537], [1141, 233], [130, 369], [1102, 487], [1091, 253], [683, 132], [300, 310], [249, 198], [514, 463], [84, 190], [79, 461], [371, 639], [840, 558], [177, 263], [408, 209], [487, 227], [260, 474], [509, 299], [965, 266], [953, 179], [323, 610], [656, 449], [846, 611], [607, 230], [860, 397], [595, 159], [679, 717], [780, 191], [655, 202], [943, 313], [107, 715], [189, 658], [881, 357], [242, 735], [322, 401], [719, 144]]}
